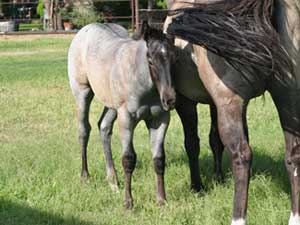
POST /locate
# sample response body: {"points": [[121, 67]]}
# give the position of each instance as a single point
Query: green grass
{"points": [[40, 157]]}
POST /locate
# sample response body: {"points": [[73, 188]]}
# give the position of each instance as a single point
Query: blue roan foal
{"points": [[131, 77]]}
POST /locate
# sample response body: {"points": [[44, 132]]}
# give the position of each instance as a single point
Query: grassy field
{"points": [[40, 157]]}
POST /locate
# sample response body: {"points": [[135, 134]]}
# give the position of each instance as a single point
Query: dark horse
{"points": [[131, 77], [227, 28]]}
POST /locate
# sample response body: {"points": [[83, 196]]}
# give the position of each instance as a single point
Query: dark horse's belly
{"points": [[187, 81]]}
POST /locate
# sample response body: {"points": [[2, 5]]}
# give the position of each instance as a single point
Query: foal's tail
{"points": [[240, 31]]}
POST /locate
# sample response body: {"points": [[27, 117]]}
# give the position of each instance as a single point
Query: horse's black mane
{"points": [[240, 31]]}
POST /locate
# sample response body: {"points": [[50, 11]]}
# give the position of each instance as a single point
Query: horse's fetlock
{"points": [[159, 165], [129, 162]]}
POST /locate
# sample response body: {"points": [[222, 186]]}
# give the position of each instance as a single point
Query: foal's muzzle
{"points": [[168, 101], [169, 104]]}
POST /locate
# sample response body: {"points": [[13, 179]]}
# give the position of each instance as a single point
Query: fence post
{"points": [[137, 17]]}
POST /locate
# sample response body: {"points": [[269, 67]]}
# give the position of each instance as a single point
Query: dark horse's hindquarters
{"points": [[271, 68]]}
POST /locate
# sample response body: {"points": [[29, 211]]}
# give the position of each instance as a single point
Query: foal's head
{"points": [[160, 57]]}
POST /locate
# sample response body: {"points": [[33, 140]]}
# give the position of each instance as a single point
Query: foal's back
{"points": [[103, 57]]}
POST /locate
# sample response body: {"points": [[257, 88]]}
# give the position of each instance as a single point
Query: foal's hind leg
{"points": [[157, 128], [105, 126], [187, 112], [84, 96], [215, 142]]}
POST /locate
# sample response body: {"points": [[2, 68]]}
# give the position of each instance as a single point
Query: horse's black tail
{"points": [[239, 31]]}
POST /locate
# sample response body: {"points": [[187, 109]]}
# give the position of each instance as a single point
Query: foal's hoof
{"points": [[128, 204], [114, 187], [113, 183], [162, 202]]}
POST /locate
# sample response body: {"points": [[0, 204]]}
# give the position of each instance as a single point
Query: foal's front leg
{"points": [[157, 129], [126, 128]]}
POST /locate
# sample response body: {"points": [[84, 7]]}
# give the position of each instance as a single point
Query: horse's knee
{"points": [[129, 162], [242, 155], [159, 165], [292, 158]]}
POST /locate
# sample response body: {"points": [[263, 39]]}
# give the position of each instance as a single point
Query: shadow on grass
{"points": [[262, 164], [275, 168], [17, 214]]}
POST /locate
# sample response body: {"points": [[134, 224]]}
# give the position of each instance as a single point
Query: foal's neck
{"points": [[141, 72]]}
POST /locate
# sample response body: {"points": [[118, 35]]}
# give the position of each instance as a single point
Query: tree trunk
{"points": [[52, 8]]}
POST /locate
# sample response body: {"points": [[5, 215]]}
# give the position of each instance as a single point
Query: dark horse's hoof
{"points": [[197, 187], [128, 204], [162, 202], [219, 178]]}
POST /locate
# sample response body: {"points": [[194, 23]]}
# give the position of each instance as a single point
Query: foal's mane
{"points": [[149, 33], [240, 31]]}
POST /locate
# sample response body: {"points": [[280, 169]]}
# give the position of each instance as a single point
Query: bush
{"points": [[79, 14], [39, 9], [83, 15]]}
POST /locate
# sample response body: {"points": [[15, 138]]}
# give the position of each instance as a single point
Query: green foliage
{"points": [[40, 166], [39, 9], [81, 16], [161, 4]]}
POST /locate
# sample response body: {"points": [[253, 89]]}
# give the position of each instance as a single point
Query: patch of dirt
{"points": [[31, 37], [19, 53]]}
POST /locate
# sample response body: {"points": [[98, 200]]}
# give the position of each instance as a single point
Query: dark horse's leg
{"points": [[215, 142], [288, 106], [105, 126], [230, 111], [126, 128], [187, 112], [157, 129], [84, 96], [233, 136]]}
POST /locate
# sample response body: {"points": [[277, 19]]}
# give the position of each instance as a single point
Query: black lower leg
{"points": [[159, 167], [216, 144], [128, 162], [187, 112]]}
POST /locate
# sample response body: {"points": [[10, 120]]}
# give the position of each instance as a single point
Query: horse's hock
{"points": [[9, 26]]}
